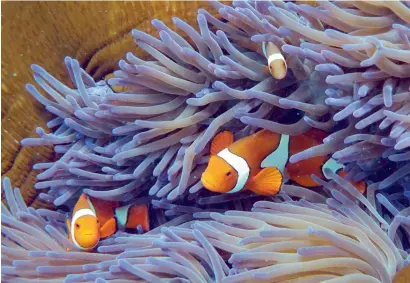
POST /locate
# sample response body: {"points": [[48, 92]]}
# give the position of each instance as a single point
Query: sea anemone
{"points": [[145, 133], [190, 87], [277, 240]]}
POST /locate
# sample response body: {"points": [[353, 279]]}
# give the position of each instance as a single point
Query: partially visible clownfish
{"points": [[235, 166], [312, 3], [276, 62], [94, 219], [403, 276]]}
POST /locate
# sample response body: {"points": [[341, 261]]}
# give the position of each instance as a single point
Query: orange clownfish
{"points": [[94, 219], [235, 166]]}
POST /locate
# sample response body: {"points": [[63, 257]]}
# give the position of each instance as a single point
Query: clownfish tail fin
{"points": [[360, 185], [138, 215], [338, 169], [267, 182], [221, 141], [132, 215]]}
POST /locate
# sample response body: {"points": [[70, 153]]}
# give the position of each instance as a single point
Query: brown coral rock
{"points": [[95, 33]]}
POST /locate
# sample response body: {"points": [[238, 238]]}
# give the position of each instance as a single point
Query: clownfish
{"points": [[276, 62], [94, 219], [235, 166], [403, 276]]}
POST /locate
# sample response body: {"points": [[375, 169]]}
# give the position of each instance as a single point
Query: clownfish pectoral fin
{"points": [[109, 228], [221, 141], [267, 182]]}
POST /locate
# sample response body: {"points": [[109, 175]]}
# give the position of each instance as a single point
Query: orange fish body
{"points": [[94, 219], [301, 172], [403, 276], [221, 174], [233, 162]]}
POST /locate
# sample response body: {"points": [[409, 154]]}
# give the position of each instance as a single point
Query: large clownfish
{"points": [[235, 166], [94, 219]]}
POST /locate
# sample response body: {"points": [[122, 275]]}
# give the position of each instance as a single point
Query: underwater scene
{"points": [[232, 141]]}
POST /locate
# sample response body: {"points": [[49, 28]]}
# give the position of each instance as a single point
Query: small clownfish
{"points": [[234, 166], [94, 219], [276, 62], [403, 276]]}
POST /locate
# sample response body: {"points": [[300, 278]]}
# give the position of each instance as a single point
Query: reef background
{"points": [[97, 34]]}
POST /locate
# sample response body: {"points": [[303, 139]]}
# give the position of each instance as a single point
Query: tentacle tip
{"points": [[36, 68], [201, 16], [388, 103], [366, 63], [347, 140], [383, 185], [220, 33], [245, 119], [6, 181], [284, 101], [39, 130], [129, 55], [187, 52], [24, 142], [273, 9], [219, 85], [201, 11], [311, 230], [224, 59], [37, 186], [294, 159], [155, 22], [67, 59], [75, 62], [29, 87], [172, 197]]}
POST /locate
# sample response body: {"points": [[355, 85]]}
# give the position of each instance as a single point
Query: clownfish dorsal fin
{"points": [[221, 141], [108, 228], [82, 203], [267, 182]]}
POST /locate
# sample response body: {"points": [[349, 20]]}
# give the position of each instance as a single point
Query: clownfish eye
{"points": [[77, 226], [98, 221], [229, 173]]}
